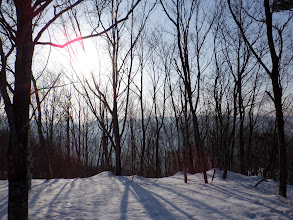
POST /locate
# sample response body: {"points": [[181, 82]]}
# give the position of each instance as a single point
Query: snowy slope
{"points": [[105, 196]]}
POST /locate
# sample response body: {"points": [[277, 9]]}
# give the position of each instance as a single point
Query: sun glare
{"points": [[82, 58], [87, 59]]}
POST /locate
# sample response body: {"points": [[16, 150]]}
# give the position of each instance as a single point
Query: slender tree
{"points": [[183, 15]]}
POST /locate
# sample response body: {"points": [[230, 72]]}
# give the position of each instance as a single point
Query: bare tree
{"points": [[121, 54], [183, 15], [275, 40]]}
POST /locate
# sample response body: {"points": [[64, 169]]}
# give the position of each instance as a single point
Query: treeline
{"points": [[86, 150]]}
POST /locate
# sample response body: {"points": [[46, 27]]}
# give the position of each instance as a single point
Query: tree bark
{"points": [[18, 147]]}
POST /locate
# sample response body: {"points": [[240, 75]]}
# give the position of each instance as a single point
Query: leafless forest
{"points": [[174, 86]]}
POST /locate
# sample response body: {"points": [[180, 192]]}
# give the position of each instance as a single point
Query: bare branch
{"points": [[246, 40], [41, 8], [79, 38], [54, 19]]}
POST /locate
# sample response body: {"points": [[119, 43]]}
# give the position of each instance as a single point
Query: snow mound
{"points": [[104, 174]]}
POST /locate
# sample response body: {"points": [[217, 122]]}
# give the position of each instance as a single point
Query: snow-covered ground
{"points": [[105, 196]]}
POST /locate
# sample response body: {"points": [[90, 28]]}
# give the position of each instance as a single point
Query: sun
{"points": [[88, 58], [82, 58]]}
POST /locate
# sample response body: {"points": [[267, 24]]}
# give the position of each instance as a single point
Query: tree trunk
{"points": [[133, 146], [280, 135], [105, 151], [196, 133], [277, 89], [143, 129], [43, 141], [158, 165], [117, 138], [241, 125], [67, 143], [18, 147]]}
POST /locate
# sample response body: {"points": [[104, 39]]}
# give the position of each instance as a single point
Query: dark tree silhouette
{"points": [[273, 71]]}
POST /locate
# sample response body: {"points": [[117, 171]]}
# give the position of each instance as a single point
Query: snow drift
{"points": [[106, 196]]}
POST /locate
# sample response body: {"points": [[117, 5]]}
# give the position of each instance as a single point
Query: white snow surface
{"points": [[106, 196]]}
